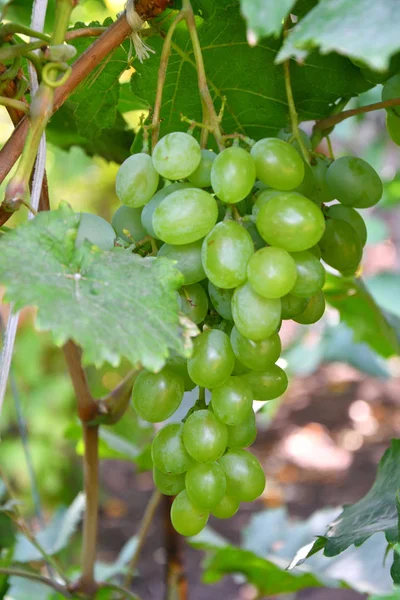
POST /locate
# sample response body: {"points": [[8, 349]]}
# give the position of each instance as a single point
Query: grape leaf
{"points": [[385, 289], [113, 304], [366, 30], [265, 17]]}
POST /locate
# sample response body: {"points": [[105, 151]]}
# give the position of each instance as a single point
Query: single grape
{"points": [[95, 230], [239, 368], [341, 247], [156, 396], [205, 437], [176, 155], [185, 216], [255, 317], [278, 164], [256, 355], [188, 260], [263, 197], [321, 192], [310, 274], [314, 311], [293, 306], [206, 484], [169, 485], [194, 302], [308, 187], [393, 128], [271, 272], [244, 475], [232, 401], [290, 221], [251, 228], [225, 253], [354, 182], [316, 250], [212, 359], [221, 300], [233, 175], [127, 224], [268, 384], [148, 210], [168, 451], [178, 365], [136, 181], [201, 177], [349, 214], [227, 507], [186, 518], [244, 433]]}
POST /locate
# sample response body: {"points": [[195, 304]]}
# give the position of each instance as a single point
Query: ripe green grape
{"points": [[239, 368], [268, 384], [233, 175], [188, 260], [254, 316], [244, 475], [256, 355], [271, 272], [178, 365], [167, 484], [278, 164], [206, 484], [341, 247], [290, 221], [251, 228], [227, 507], [314, 310], [225, 253], [194, 302], [310, 274], [262, 198], [186, 518], [185, 216], [212, 360], [351, 216], [176, 155], [95, 230], [221, 300], [354, 182], [168, 451], [391, 90], [148, 210], [308, 187], [201, 177], [156, 396], [244, 433], [321, 192], [393, 128], [127, 224], [293, 306], [232, 401], [205, 436], [136, 181]]}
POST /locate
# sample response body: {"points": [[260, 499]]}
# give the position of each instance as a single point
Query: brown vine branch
{"points": [[333, 120], [87, 406], [177, 585], [58, 587], [112, 407]]}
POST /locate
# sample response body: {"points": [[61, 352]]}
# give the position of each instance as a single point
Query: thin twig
{"points": [[123, 591], [85, 32], [333, 120], [12, 103], [58, 587], [176, 582]]}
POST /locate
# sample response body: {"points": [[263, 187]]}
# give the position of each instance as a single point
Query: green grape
{"points": [[321, 192], [278, 164], [212, 359], [244, 475], [206, 484], [286, 134], [341, 247], [176, 155], [185, 216], [95, 230], [263, 197], [239, 368], [271, 272], [308, 187], [251, 228], [290, 221], [221, 300], [226, 508], [232, 401], [225, 253], [156, 396], [188, 260], [194, 302], [233, 175], [268, 384], [393, 128], [186, 518], [244, 433], [256, 355], [136, 181], [201, 177], [148, 210], [316, 250], [127, 224], [354, 182], [349, 214], [310, 274], [205, 437], [314, 310], [391, 90], [169, 485], [255, 317], [293, 306], [168, 451], [178, 365]]}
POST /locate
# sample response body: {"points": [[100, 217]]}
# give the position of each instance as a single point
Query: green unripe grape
{"points": [[212, 360], [201, 177], [194, 302], [244, 433], [178, 365], [185, 216], [290, 221], [310, 274], [95, 230], [316, 251], [205, 437], [168, 451], [225, 253], [221, 300], [341, 247], [148, 210], [186, 518], [127, 224], [308, 186], [232, 401], [227, 507], [268, 384], [188, 260], [136, 181], [176, 155], [393, 128], [278, 164], [354, 182], [321, 192], [314, 311], [169, 485], [251, 228], [391, 90], [244, 475], [206, 484], [254, 316], [233, 175], [293, 306], [239, 368], [271, 272], [156, 396], [263, 197], [351, 216], [256, 355]]}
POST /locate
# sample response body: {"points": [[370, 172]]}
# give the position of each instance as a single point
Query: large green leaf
{"points": [[385, 289], [265, 17]]}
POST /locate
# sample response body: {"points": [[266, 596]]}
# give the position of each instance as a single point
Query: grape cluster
{"points": [[247, 230]]}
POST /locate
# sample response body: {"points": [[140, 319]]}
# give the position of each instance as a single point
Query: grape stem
{"points": [[12, 103], [202, 397], [176, 582], [58, 587], [293, 112], [324, 124]]}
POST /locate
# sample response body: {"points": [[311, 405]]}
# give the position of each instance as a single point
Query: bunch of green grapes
{"points": [[247, 230]]}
